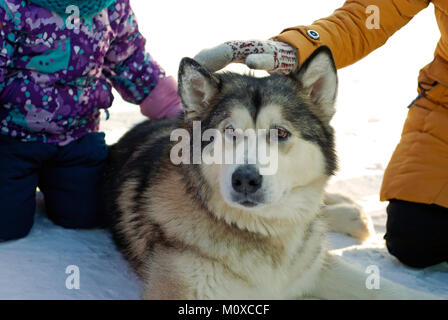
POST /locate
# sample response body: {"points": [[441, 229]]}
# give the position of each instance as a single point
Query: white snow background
{"points": [[373, 97]]}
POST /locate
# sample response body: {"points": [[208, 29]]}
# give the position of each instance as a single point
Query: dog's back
{"points": [[144, 133], [134, 157]]}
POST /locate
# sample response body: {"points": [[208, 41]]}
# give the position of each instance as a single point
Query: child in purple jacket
{"points": [[56, 73]]}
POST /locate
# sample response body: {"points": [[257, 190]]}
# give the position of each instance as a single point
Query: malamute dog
{"points": [[224, 231]]}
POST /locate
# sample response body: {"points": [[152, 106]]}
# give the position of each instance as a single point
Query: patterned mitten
{"points": [[270, 55]]}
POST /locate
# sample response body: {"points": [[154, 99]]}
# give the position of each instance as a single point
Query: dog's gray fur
{"points": [[189, 235]]}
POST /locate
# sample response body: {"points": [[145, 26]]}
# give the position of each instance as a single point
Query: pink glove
{"points": [[163, 101]]}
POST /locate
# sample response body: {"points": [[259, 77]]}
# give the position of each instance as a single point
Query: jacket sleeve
{"points": [[135, 75], [348, 31], [8, 36], [128, 66]]}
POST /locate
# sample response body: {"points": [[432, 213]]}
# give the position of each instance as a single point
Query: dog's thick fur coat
{"points": [[191, 232]]}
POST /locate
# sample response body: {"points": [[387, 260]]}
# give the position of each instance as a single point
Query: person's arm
{"points": [[349, 33], [7, 41], [345, 32], [135, 75]]}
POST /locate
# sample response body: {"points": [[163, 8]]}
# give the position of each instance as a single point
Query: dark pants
{"points": [[417, 234], [68, 177]]}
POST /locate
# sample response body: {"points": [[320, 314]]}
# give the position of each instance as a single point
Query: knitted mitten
{"points": [[270, 55]]}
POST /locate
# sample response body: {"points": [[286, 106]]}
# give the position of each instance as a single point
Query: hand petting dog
{"points": [[270, 55]]}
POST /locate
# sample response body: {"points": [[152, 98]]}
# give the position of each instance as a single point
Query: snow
{"points": [[374, 94]]}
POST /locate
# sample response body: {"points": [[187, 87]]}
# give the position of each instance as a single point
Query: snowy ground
{"points": [[372, 104]]}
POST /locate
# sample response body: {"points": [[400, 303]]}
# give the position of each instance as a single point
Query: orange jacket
{"points": [[418, 170]]}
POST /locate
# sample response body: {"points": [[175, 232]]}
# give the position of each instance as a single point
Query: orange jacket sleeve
{"points": [[346, 31]]}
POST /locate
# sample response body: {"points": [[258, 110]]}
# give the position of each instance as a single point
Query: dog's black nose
{"points": [[247, 179]]}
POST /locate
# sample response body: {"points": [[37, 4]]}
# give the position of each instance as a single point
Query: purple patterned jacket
{"points": [[54, 77]]}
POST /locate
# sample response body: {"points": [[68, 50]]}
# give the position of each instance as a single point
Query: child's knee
{"points": [[415, 233], [14, 230], [16, 216], [411, 253], [86, 215]]}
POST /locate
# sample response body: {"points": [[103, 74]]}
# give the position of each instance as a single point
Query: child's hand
{"points": [[163, 101], [271, 55]]}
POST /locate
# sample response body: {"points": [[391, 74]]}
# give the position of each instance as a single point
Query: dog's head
{"points": [[290, 114]]}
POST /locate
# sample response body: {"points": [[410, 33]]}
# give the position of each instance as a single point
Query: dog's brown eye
{"points": [[283, 134]]}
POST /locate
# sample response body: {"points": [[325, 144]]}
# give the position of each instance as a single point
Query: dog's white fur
{"points": [[291, 259], [294, 198]]}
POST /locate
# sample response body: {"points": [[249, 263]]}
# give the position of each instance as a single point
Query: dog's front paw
{"points": [[345, 216]]}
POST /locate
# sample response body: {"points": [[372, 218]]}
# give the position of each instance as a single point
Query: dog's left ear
{"points": [[197, 88], [318, 80]]}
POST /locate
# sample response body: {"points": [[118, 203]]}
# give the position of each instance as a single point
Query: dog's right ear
{"points": [[197, 88], [319, 80]]}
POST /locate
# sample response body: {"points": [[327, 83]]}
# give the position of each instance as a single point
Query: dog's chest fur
{"points": [[210, 258], [246, 275]]}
